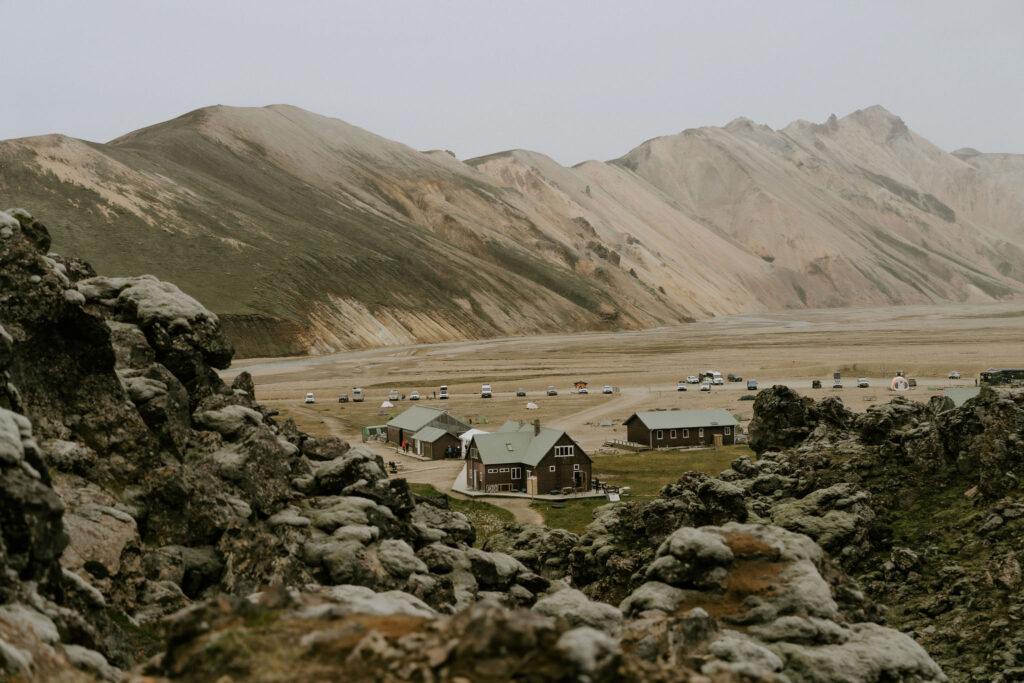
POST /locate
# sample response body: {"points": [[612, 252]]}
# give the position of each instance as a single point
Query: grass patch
{"points": [[487, 519], [645, 474]]}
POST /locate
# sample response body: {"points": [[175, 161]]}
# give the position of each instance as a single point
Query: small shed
{"points": [[436, 443], [373, 431]]}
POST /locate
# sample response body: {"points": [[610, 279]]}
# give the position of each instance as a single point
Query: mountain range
{"points": [[306, 234]]}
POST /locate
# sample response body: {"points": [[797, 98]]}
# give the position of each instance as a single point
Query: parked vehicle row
{"points": [[443, 394], [707, 379]]}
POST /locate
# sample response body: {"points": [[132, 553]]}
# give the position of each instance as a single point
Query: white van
{"points": [[485, 391], [716, 377], [357, 395], [309, 398], [443, 395]]}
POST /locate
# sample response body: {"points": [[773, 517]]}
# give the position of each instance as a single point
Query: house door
{"points": [[579, 479]]}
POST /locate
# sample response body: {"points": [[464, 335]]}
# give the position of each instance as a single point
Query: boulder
{"points": [[232, 422], [579, 611], [398, 559], [358, 464]]}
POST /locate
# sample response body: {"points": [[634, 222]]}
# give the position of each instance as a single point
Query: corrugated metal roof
{"points": [[416, 418], [429, 434], [516, 443], [685, 419]]}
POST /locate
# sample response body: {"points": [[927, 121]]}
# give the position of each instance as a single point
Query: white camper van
{"points": [[443, 395], [485, 391], [357, 395]]}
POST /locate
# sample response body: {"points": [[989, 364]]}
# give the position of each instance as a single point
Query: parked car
{"points": [[912, 381], [837, 384], [485, 391], [816, 384], [681, 386], [751, 385], [607, 389], [520, 392], [357, 395], [692, 379], [705, 387], [309, 398], [954, 375], [733, 377], [343, 398], [414, 395], [552, 391], [582, 390], [443, 394], [393, 395], [717, 378], [862, 383]]}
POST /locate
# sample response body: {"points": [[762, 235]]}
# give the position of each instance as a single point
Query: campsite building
{"points": [[526, 457], [431, 432], [681, 428]]}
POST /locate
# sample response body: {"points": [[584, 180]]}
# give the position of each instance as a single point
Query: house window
{"points": [[492, 470], [728, 430], [576, 467], [672, 434], [517, 473], [686, 433], [563, 451], [700, 432], [551, 469], [503, 469], [660, 435]]}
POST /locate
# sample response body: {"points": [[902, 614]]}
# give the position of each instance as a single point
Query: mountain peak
{"points": [[879, 121]]}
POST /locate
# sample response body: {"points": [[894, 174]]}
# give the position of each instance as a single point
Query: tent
{"points": [[531, 406], [466, 437], [387, 404], [899, 383]]}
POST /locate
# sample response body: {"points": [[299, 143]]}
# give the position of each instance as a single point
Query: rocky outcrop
{"points": [[173, 486], [920, 501], [143, 493], [783, 418]]}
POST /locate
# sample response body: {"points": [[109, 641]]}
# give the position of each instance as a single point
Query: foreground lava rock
{"points": [[155, 518]]}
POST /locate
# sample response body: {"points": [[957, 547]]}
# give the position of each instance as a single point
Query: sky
{"points": [[575, 80]]}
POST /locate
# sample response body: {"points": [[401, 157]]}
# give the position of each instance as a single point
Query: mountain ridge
{"points": [[310, 235]]}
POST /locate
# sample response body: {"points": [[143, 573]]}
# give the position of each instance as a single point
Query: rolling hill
{"points": [[309, 235]]}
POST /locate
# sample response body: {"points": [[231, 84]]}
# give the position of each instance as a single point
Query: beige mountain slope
{"points": [[865, 211], [307, 234]]}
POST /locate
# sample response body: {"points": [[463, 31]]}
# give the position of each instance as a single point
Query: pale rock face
{"points": [[147, 299], [579, 610]]}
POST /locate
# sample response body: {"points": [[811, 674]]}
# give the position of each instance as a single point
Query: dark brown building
{"points": [[526, 457], [424, 428], [436, 443], [681, 428]]}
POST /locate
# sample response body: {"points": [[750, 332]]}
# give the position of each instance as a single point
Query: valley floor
{"points": [[788, 347]]}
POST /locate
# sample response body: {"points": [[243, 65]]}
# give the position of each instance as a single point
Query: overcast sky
{"points": [[575, 80]]}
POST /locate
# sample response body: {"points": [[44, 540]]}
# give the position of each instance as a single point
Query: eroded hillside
{"points": [[307, 234]]}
